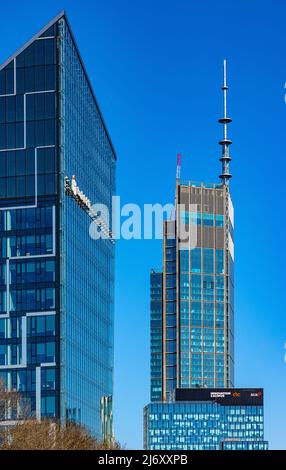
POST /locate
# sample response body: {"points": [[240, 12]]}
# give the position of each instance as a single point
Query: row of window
{"points": [[40, 52], [43, 325], [31, 271], [202, 260], [206, 219], [24, 380], [245, 445], [38, 133], [18, 219], [41, 352], [202, 424], [213, 289], [187, 382], [24, 186], [197, 288], [24, 245], [189, 345], [228, 446], [28, 79], [207, 314], [207, 346], [199, 407], [37, 353], [39, 106], [22, 162], [28, 300]]}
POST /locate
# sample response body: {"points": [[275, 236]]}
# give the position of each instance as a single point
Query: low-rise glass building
{"points": [[206, 419]]}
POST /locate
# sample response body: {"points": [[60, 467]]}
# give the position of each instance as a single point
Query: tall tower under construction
{"points": [[192, 316], [196, 344]]}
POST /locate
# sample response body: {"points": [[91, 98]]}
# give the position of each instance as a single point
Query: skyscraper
{"points": [[197, 288], [56, 283], [192, 307]]}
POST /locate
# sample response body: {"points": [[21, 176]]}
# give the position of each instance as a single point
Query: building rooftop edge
{"points": [[201, 184], [32, 39], [59, 16]]}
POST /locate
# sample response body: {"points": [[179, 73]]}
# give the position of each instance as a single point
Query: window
{"points": [[220, 288], [50, 352], [41, 356], [196, 287], [208, 220], [219, 220], [48, 378], [208, 260], [196, 218], [48, 406], [171, 266], [219, 315], [184, 260], [184, 217], [196, 260], [219, 261], [208, 340], [184, 286], [209, 288], [3, 356], [171, 280], [209, 314], [196, 317]]}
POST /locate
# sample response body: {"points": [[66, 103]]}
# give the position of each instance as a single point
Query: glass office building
{"points": [[56, 283], [207, 419], [192, 299], [198, 290]]}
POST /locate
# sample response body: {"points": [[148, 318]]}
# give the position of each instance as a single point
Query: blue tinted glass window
{"points": [[219, 315], [40, 78], [196, 287], [196, 218], [9, 75], [219, 261], [196, 260], [184, 217], [220, 288], [39, 52], [2, 82], [209, 314], [196, 314], [184, 260], [219, 220], [208, 287], [208, 255], [208, 220]]}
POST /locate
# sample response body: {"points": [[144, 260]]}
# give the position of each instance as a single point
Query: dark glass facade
{"points": [[56, 283], [156, 335]]}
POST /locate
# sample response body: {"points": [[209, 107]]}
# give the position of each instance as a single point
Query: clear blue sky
{"points": [[156, 68]]}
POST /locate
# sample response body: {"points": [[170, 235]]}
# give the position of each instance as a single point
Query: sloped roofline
{"points": [[61, 15]]}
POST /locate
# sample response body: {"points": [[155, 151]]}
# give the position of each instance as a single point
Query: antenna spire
{"points": [[178, 179], [178, 174], [225, 143]]}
